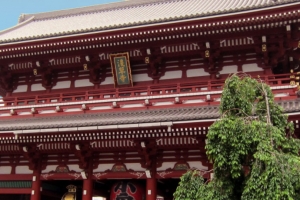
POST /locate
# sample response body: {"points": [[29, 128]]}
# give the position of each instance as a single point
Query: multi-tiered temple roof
{"points": [[64, 107], [130, 14]]}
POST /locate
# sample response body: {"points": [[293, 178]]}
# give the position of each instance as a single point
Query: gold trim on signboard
{"points": [[113, 70]]}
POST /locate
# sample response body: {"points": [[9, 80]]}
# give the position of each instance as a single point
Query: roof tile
{"points": [[143, 116], [123, 14]]}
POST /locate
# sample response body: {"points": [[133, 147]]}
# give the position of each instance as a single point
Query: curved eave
{"points": [[17, 26], [165, 21]]}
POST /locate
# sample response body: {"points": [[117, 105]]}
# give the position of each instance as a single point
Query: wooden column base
{"points": [[36, 187], [87, 190], [151, 190]]}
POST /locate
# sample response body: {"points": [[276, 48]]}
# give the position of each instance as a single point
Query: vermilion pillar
{"points": [[36, 184], [151, 191], [87, 190]]}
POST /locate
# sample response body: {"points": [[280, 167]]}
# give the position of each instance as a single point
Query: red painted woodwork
{"points": [[85, 97], [87, 190], [61, 176], [15, 177], [15, 190], [66, 42], [151, 189], [282, 45], [139, 175], [151, 89], [121, 175], [36, 183]]}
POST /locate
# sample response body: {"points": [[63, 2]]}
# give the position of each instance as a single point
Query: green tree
{"points": [[252, 147]]}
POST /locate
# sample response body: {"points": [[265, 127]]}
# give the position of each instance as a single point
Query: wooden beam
{"points": [[15, 190]]}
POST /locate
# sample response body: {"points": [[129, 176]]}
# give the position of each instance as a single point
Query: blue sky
{"points": [[10, 10]]}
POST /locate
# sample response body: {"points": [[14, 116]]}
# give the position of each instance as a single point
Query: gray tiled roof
{"points": [[112, 118], [129, 117], [124, 14]]}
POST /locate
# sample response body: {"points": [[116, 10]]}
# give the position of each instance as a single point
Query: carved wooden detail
{"points": [[83, 153]]}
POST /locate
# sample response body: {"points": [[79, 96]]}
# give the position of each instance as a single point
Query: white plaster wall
{"points": [[134, 166], [5, 169], [196, 72], [172, 74], [103, 167], [37, 87], [166, 165], [23, 170], [46, 111], [83, 83], [229, 69], [62, 84], [197, 165], [108, 80], [134, 105], [5, 114], [49, 168], [24, 113], [193, 101], [75, 168], [72, 110], [253, 67], [163, 103], [100, 108], [20, 88], [141, 77], [281, 95]]}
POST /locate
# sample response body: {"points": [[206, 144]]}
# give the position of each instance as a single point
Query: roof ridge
{"points": [[90, 9], [130, 14], [17, 25]]}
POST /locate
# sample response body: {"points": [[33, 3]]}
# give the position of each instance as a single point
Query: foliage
{"points": [[252, 147], [190, 185]]}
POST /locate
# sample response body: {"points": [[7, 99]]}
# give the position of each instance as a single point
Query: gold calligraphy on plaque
{"points": [[121, 69]]}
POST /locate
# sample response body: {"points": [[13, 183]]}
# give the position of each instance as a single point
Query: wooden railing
{"points": [[138, 91]]}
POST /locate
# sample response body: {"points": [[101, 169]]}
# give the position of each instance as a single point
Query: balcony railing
{"points": [[151, 90]]}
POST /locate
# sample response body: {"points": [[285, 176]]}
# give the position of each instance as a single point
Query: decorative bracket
{"points": [[147, 150], [32, 154], [93, 65], [83, 153]]}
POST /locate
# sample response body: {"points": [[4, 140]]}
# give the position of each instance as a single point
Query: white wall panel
{"points": [[5, 169], [103, 167], [108, 80], [21, 88], [141, 77], [229, 69], [83, 83], [62, 84], [197, 165], [253, 67], [74, 168], [172, 75], [23, 170], [196, 72], [166, 165], [134, 166], [37, 87], [49, 168]]}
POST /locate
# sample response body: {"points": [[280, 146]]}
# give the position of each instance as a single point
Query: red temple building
{"points": [[115, 100]]}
